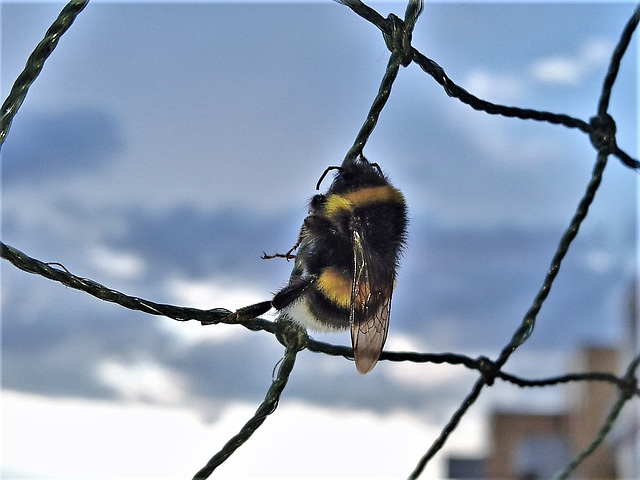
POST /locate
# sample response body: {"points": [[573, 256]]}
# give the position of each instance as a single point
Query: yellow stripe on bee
{"points": [[336, 286], [337, 203]]}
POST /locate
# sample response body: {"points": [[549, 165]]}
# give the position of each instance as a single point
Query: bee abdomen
{"points": [[336, 286]]}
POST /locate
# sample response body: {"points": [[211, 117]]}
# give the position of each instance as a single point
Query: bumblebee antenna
{"points": [[324, 174]]}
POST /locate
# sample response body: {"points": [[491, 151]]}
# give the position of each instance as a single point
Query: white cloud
{"points": [[117, 263], [406, 343], [413, 374], [556, 69], [571, 70], [496, 87], [61, 438], [599, 261], [566, 69], [206, 294], [143, 380], [596, 52], [212, 293]]}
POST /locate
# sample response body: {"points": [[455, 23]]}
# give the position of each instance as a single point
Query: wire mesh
{"points": [[397, 35]]}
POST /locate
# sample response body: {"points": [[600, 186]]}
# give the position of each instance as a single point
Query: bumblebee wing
{"points": [[370, 306]]}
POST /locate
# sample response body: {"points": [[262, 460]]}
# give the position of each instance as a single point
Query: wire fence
{"points": [[396, 32]]}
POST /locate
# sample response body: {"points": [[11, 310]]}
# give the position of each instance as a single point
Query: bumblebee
{"points": [[347, 254]]}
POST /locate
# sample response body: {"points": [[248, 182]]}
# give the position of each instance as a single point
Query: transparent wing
{"points": [[370, 305]]}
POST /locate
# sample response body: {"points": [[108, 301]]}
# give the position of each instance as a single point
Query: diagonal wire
{"points": [[376, 108], [439, 442], [294, 339], [603, 127], [398, 39], [58, 273], [526, 327], [623, 397], [528, 323], [245, 316], [607, 377], [453, 90], [397, 36], [616, 58], [35, 63]]}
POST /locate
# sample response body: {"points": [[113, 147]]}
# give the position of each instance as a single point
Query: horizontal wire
{"points": [[397, 36]]}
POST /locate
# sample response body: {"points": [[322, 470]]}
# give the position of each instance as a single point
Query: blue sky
{"points": [[165, 146]]}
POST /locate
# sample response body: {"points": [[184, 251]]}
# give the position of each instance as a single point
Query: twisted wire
{"points": [[35, 63], [397, 35], [293, 338], [57, 272], [623, 397], [398, 39]]}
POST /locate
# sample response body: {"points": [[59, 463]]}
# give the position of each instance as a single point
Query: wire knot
{"points": [[630, 386], [399, 40], [291, 334], [488, 370], [603, 134]]}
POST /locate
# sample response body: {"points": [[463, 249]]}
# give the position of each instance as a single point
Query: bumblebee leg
{"points": [[253, 311], [289, 255], [243, 313], [312, 223], [291, 293]]}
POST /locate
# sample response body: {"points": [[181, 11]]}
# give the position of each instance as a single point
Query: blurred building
{"points": [[627, 439], [530, 446], [588, 405], [527, 446]]}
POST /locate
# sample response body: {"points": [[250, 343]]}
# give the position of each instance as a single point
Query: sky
{"points": [[166, 146]]}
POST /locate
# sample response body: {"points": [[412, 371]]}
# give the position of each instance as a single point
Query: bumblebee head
{"points": [[353, 174]]}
